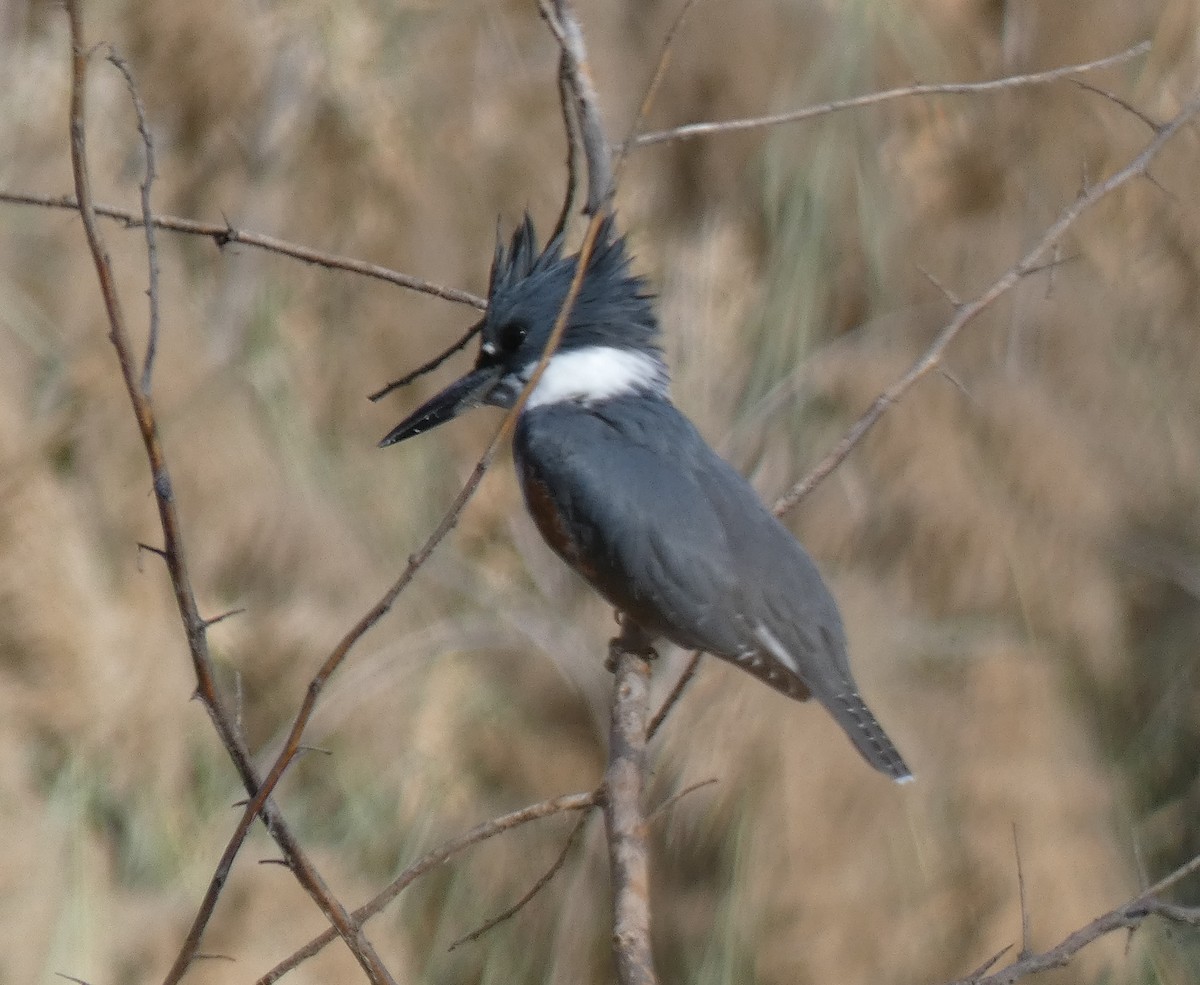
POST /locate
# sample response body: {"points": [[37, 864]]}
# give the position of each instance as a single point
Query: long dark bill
{"points": [[472, 390]]}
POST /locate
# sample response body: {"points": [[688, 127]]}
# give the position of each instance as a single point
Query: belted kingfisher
{"points": [[626, 491]]}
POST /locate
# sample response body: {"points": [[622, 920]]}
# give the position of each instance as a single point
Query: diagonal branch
{"points": [[431, 860], [542, 881], [965, 312], [1031, 262], [693, 130], [1129, 915]]}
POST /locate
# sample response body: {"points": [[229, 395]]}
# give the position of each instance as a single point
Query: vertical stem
{"points": [[625, 825]]}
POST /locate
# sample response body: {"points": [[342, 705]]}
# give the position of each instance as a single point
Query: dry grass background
{"points": [[1018, 558]]}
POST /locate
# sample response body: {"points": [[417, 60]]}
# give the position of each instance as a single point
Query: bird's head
{"points": [[610, 346]]}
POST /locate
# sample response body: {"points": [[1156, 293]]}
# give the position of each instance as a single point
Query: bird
{"points": [[626, 491]]}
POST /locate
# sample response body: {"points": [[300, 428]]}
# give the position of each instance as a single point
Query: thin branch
{"points": [[1129, 915], [623, 820], [536, 888], [447, 523], [431, 860], [174, 554], [1112, 97], [223, 234], [1024, 902], [675, 798], [430, 366], [693, 130], [147, 219], [677, 690], [660, 71], [575, 149], [965, 313]]}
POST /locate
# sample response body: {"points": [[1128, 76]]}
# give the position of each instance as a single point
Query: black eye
{"points": [[511, 335]]}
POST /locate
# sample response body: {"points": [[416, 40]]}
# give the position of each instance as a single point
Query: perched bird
{"points": [[627, 492]]}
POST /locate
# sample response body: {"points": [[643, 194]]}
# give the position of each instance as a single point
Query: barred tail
{"points": [[868, 736]]}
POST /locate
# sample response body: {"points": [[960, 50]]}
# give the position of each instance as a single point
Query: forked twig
{"points": [[1128, 915], [932, 357], [541, 883], [431, 860]]}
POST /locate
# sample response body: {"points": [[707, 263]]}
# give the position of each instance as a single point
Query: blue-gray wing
{"points": [[636, 527], [632, 497]]}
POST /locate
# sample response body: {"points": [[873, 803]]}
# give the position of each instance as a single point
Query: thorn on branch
{"points": [[955, 382], [223, 237], [147, 548], [955, 301]]}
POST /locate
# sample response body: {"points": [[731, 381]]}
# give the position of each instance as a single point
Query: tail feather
{"points": [[868, 736], [774, 664]]}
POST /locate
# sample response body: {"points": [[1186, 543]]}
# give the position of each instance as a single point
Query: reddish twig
{"points": [[431, 860], [224, 233], [693, 130], [173, 552]]}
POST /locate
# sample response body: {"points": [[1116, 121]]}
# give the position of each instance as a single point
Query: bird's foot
{"points": [[632, 639]]}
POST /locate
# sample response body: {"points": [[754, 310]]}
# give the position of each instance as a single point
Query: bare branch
{"points": [[536, 888], [1112, 97], [430, 861], [147, 220], [575, 149], [675, 798], [965, 313], [677, 690], [173, 551], [693, 130], [626, 827], [223, 234], [430, 366], [1128, 915], [660, 71]]}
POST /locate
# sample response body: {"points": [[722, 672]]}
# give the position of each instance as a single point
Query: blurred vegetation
{"points": [[1017, 555]]}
